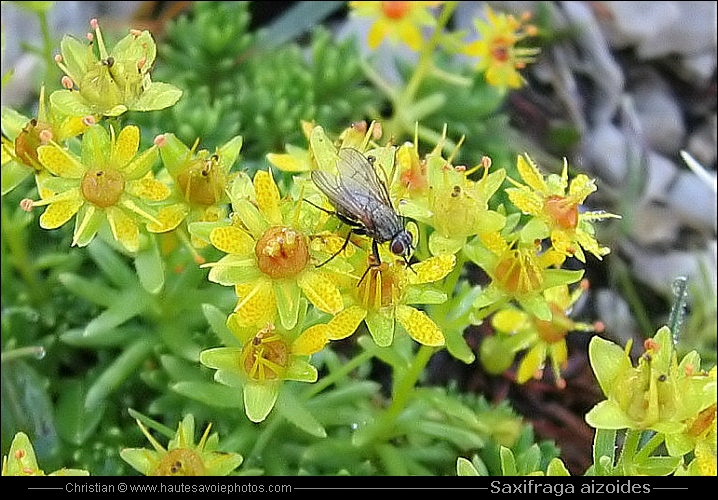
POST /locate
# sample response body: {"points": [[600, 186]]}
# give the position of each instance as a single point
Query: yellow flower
{"points": [[519, 331], [397, 21], [182, 457], [673, 398], [199, 182], [519, 272], [113, 83], [21, 461], [441, 195], [22, 136], [110, 184], [268, 257], [555, 202], [385, 293], [264, 359], [496, 49]]}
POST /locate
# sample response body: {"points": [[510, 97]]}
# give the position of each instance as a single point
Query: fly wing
{"points": [[346, 202], [358, 175]]}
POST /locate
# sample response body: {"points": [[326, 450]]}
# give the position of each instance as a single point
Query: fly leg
{"points": [[346, 240], [376, 260]]}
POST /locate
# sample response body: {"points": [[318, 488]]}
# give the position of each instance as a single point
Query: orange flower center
{"points": [[202, 183], [518, 274], [562, 210], [27, 142], [555, 330], [281, 252], [266, 357], [103, 187], [378, 288], [395, 10], [180, 462], [501, 49]]}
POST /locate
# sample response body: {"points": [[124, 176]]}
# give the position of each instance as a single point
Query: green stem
{"points": [[396, 126], [656, 440], [335, 375], [403, 390], [15, 236], [628, 453], [47, 45], [425, 63]]}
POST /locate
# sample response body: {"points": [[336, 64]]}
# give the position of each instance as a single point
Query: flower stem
{"points": [[403, 103], [630, 445], [403, 390]]}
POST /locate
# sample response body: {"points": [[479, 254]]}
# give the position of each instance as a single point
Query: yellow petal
{"points": [[581, 186], [267, 196], [531, 174], [510, 321], [232, 240], [149, 189], [321, 291], [60, 162], [58, 213], [410, 35], [377, 32], [532, 364], [169, 217], [529, 202], [124, 228], [433, 268], [286, 162], [419, 325], [126, 146], [345, 323], [256, 305], [312, 340]]}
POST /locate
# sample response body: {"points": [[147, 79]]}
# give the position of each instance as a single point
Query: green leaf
{"points": [[26, 403], [111, 265], [150, 267], [386, 354], [465, 468], [75, 422], [71, 103], [127, 305], [13, 174], [439, 244], [125, 366], [96, 291], [381, 327], [259, 399], [508, 462], [556, 467], [157, 96], [218, 322], [181, 369], [460, 436], [101, 339], [287, 294], [296, 412], [604, 451], [658, 466], [213, 395], [12, 124], [608, 360], [608, 415], [325, 154]]}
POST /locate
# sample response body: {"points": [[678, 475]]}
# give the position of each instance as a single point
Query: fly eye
{"points": [[401, 243], [398, 247]]}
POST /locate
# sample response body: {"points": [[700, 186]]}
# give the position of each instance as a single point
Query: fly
{"points": [[361, 201]]}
